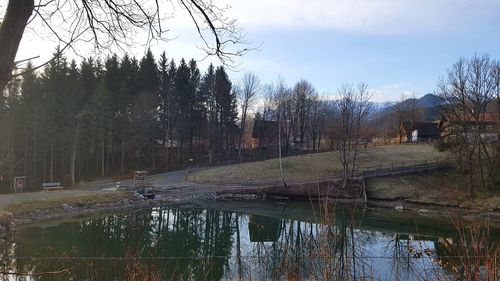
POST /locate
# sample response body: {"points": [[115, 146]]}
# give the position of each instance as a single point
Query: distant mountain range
{"points": [[426, 105]]}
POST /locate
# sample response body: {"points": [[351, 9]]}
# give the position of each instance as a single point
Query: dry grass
{"points": [[5, 218], [23, 207], [314, 166], [438, 187], [446, 188]]}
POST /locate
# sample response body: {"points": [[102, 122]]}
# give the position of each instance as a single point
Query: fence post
{"points": [[364, 187]]}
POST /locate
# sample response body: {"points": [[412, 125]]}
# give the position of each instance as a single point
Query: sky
{"points": [[395, 46]]}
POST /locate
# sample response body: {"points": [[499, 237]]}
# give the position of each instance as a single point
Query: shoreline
{"points": [[424, 209], [128, 202]]}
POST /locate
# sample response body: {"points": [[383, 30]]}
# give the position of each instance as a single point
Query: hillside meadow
{"points": [[316, 166]]}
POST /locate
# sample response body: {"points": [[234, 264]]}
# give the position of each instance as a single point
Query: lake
{"points": [[252, 240]]}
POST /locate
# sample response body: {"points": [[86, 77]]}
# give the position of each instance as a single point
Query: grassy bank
{"points": [[24, 207], [445, 188], [48, 208], [314, 166]]}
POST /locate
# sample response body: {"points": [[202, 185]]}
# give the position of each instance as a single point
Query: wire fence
{"points": [[385, 169]]}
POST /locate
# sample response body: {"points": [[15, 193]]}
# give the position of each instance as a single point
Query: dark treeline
{"points": [[74, 122]]}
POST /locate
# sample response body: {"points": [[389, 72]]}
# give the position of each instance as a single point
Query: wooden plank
{"points": [[48, 188], [49, 184], [52, 186]]}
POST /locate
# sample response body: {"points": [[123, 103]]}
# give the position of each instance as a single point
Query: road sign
{"points": [[19, 184]]}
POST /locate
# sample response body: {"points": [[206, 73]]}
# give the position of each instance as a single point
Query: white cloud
{"points": [[370, 16], [364, 16]]}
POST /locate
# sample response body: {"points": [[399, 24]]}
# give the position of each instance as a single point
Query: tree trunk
{"points": [[109, 151], [73, 153], [122, 158], [242, 132], [34, 158], [11, 31], [44, 163], [52, 158], [318, 146], [102, 157], [279, 152], [153, 155], [25, 152]]}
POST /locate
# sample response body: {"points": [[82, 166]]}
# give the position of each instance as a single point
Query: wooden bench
{"points": [[52, 186]]}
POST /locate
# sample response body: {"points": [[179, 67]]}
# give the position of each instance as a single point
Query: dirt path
{"points": [[173, 179]]}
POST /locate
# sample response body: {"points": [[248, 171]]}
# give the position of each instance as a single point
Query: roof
{"points": [[263, 128], [487, 117]]}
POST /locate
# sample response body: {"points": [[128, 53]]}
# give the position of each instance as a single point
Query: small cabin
{"points": [[487, 122], [420, 132], [265, 134]]}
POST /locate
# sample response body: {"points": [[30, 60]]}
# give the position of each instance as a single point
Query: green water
{"points": [[240, 240]]}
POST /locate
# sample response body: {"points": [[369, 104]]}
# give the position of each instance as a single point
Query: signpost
{"points": [[139, 178], [19, 184]]}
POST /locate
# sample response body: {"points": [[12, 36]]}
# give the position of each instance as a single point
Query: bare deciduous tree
{"points": [[362, 112], [113, 23], [468, 89], [398, 116], [248, 91], [496, 179], [317, 121], [353, 110], [303, 91]]}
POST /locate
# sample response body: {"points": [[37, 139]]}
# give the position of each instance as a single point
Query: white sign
{"points": [[414, 136], [19, 184]]}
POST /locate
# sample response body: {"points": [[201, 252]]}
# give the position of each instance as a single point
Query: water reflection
{"points": [[239, 241], [264, 229]]}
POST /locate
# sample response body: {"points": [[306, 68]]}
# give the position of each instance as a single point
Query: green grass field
{"points": [[315, 166]]}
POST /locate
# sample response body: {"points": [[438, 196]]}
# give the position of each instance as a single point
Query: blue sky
{"points": [[394, 46]]}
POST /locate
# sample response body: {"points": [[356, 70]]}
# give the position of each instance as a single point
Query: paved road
{"points": [[170, 178], [173, 178]]}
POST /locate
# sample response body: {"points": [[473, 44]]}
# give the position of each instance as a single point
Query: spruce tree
{"points": [[183, 101], [145, 119], [206, 93], [226, 102]]}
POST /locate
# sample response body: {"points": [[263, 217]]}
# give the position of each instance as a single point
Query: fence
{"points": [[393, 168]]}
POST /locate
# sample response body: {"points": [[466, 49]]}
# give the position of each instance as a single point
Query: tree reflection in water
{"points": [[266, 243]]}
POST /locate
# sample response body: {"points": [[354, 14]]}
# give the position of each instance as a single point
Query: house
{"points": [[265, 134], [486, 122], [420, 132]]}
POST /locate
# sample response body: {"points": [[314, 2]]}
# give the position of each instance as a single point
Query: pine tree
{"points": [[183, 102], [226, 102], [77, 122], [128, 74], [31, 93], [54, 80], [145, 119], [195, 109], [100, 121], [76, 105], [112, 81], [207, 94]]}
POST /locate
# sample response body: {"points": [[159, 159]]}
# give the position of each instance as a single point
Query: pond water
{"points": [[250, 240]]}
